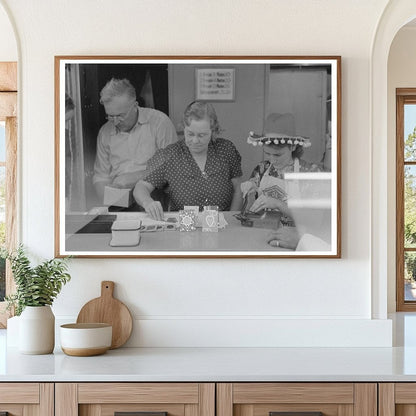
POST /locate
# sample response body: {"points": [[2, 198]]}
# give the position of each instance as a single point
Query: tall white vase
{"points": [[37, 330]]}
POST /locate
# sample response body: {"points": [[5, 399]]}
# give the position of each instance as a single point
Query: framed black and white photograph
{"points": [[198, 156]]}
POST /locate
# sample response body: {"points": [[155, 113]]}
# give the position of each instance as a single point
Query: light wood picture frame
{"points": [[293, 101]]}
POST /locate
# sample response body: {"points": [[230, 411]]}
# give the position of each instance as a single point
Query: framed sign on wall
{"points": [[198, 156], [214, 84]]}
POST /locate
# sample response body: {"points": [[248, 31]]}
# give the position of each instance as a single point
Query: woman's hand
{"points": [[286, 237], [155, 210], [247, 187], [141, 194], [267, 202]]}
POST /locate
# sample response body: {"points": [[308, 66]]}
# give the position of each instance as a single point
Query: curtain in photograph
{"points": [[74, 155]]}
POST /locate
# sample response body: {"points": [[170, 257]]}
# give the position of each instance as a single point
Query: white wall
{"points": [[223, 301], [8, 45], [401, 74]]}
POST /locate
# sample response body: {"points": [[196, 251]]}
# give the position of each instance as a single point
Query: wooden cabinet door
{"points": [[26, 399], [397, 399], [297, 399], [145, 399]]}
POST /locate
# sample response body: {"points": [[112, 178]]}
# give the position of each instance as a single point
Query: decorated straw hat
{"points": [[280, 129]]}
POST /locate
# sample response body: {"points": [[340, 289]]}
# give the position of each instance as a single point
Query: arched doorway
{"points": [[396, 15]]}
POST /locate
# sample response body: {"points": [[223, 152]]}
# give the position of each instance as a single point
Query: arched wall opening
{"points": [[396, 15]]}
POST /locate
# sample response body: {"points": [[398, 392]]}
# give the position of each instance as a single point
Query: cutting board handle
{"points": [[107, 289]]}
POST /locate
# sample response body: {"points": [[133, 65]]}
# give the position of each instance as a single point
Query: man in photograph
{"points": [[128, 139]]}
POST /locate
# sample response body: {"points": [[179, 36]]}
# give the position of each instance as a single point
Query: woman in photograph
{"points": [[201, 169], [283, 151]]}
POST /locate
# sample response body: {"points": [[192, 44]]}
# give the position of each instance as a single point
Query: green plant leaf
{"points": [[35, 285]]}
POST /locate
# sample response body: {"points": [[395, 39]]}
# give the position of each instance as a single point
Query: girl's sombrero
{"points": [[282, 131], [276, 138]]}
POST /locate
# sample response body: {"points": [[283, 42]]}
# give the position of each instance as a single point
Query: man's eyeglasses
{"points": [[121, 117]]}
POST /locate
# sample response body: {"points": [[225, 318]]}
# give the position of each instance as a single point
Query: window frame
{"points": [[403, 96], [8, 113]]}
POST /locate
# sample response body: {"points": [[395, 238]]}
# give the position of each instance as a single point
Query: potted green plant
{"points": [[36, 289]]}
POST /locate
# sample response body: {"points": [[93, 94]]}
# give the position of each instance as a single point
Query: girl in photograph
{"points": [[283, 151]]}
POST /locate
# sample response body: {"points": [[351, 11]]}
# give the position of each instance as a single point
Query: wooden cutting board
{"points": [[109, 310]]}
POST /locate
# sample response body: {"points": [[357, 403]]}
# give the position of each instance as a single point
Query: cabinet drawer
{"points": [[397, 399], [21, 399], [268, 399], [107, 399]]}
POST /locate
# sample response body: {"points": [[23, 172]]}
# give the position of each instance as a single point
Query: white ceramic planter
{"points": [[37, 330]]}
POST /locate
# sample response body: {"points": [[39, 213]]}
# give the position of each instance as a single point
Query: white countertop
{"points": [[215, 364], [222, 364]]}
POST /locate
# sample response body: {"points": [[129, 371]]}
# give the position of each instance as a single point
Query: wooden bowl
{"points": [[84, 340]]}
